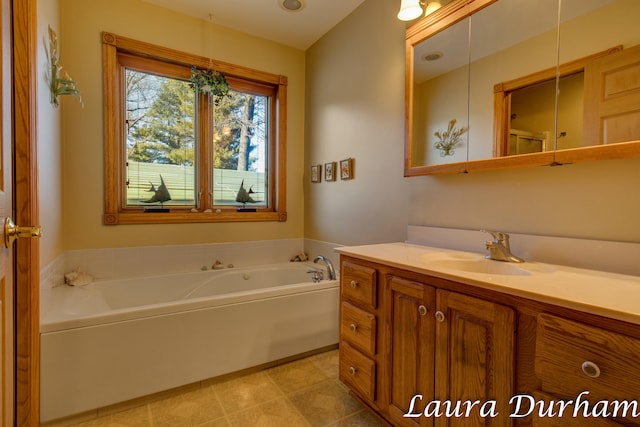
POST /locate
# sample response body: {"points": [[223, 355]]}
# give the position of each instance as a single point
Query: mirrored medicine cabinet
{"points": [[493, 84]]}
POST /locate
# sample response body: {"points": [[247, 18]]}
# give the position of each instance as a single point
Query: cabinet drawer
{"points": [[359, 284], [357, 371], [572, 357], [359, 328]]}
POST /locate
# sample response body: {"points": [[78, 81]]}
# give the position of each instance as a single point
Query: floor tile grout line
{"points": [[224, 411], [286, 397]]}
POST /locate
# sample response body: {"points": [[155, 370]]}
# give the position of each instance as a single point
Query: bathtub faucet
{"points": [[330, 270]]}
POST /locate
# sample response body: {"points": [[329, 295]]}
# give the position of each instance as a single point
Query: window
{"points": [[174, 155]]}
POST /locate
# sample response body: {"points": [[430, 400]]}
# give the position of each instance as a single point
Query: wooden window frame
{"points": [[115, 212]]}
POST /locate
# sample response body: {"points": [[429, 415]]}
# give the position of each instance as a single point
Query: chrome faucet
{"points": [[499, 249], [316, 275], [330, 270]]}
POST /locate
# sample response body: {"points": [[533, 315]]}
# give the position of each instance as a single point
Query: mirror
{"points": [[517, 59]]}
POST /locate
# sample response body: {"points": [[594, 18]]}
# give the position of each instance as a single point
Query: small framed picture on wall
{"points": [[316, 173], [330, 171], [346, 168]]}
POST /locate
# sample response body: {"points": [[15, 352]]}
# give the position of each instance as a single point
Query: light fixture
{"points": [[412, 9], [292, 5], [409, 9], [432, 56]]}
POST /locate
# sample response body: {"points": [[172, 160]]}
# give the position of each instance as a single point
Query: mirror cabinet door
{"points": [[441, 97], [512, 39], [602, 104]]}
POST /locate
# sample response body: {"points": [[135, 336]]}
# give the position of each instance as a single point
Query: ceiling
{"points": [[267, 19]]}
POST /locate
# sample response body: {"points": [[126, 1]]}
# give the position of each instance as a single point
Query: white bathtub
{"points": [[113, 341]]}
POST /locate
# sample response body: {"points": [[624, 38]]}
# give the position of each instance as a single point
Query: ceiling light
{"points": [[291, 5], [409, 9], [432, 56], [412, 9]]}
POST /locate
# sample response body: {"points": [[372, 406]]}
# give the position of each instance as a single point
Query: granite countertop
{"points": [[606, 294]]}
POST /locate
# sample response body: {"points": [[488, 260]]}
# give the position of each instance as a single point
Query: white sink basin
{"points": [[483, 266], [471, 263]]}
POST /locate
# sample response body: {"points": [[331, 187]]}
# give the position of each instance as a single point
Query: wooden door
{"points": [[612, 98], [474, 359], [410, 335], [22, 21], [6, 255]]}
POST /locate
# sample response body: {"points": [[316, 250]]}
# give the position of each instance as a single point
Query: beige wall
{"points": [[82, 147], [49, 143], [354, 99], [354, 108]]}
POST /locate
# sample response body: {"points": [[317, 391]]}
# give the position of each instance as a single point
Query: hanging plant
{"points": [[209, 82], [448, 139], [58, 85]]}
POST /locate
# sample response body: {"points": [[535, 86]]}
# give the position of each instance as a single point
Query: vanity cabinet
{"points": [[404, 333], [446, 346], [402, 336]]}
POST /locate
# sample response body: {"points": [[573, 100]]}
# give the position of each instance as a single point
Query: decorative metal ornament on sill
{"points": [[160, 194], [448, 139], [58, 85], [244, 197], [209, 82]]}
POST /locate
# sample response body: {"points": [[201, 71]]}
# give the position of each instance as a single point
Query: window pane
{"points": [[160, 158], [240, 149]]}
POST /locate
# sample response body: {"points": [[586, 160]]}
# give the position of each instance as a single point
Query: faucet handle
{"points": [[498, 236]]}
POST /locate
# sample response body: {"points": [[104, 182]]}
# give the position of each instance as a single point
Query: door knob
{"points": [[12, 231]]}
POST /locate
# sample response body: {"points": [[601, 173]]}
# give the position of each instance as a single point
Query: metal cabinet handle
{"points": [[353, 327], [590, 369], [352, 370], [354, 284], [422, 310], [440, 316]]}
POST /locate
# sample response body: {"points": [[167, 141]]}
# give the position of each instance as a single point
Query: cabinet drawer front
{"points": [[572, 357], [359, 284], [359, 328], [357, 371]]}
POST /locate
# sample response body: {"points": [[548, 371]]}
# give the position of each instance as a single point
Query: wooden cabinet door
{"points": [[474, 359], [410, 324]]}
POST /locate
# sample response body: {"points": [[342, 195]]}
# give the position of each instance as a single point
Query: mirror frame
{"points": [[441, 19]]}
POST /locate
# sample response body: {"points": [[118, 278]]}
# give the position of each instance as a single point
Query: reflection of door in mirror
{"points": [[612, 98]]}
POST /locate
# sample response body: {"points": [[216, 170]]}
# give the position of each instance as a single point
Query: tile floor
{"points": [[305, 392]]}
